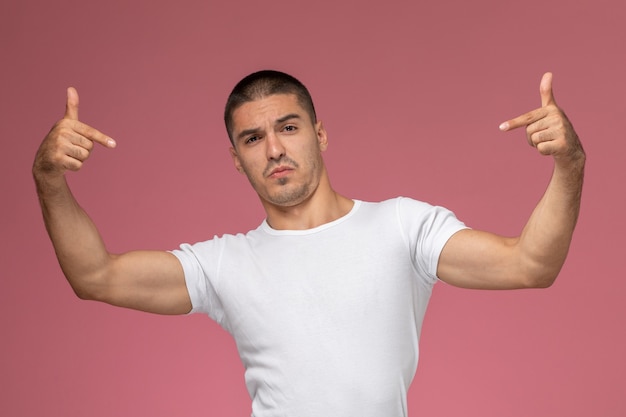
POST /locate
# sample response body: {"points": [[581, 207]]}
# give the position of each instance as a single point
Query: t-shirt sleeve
{"points": [[200, 263], [427, 228]]}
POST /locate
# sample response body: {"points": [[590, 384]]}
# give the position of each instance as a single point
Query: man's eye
{"points": [[252, 139], [290, 128]]}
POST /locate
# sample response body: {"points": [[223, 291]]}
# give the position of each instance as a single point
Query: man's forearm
{"points": [[77, 243], [546, 238]]}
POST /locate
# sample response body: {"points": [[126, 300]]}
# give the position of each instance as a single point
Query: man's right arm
{"points": [[143, 280]]}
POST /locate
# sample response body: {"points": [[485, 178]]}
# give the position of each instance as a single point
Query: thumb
{"points": [[71, 107], [545, 90]]}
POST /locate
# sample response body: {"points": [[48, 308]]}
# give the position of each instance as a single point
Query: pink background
{"points": [[411, 94]]}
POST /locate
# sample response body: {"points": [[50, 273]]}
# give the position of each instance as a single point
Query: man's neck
{"points": [[313, 212]]}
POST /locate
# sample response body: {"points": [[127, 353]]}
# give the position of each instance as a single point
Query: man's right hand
{"points": [[68, 144], [143, 280]]}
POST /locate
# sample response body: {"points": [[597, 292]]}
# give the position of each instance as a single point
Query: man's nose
{"points": [[275, 148]]}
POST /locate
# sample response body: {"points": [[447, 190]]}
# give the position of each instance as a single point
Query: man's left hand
{"points": [[548, 128]]}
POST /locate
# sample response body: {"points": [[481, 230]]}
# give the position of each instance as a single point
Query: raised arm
{"points": [[476, 259], [145, 280]]}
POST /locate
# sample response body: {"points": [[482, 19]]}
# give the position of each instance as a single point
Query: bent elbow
{"points": [[84, 292], [541, 277], [544, 282], [90, 288]]}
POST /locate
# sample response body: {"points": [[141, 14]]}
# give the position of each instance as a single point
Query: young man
{"points": [[325, 299]]}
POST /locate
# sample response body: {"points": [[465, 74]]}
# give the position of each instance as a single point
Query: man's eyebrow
{"points": [[288, 117], [247, 132]]}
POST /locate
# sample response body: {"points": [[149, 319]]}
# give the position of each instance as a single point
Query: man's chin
{"points": [[288, 198]]}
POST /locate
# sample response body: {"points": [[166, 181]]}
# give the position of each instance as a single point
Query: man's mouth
{"points": [[280, 171]]}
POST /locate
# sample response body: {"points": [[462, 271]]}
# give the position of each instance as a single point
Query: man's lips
{"points": [[280, 171]]}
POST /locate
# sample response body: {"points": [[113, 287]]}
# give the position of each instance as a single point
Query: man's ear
{"points": [[322, 137], [236, 161]]}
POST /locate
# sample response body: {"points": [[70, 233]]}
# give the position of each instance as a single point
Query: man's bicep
{"points": [[480, 260], [152, 281]]}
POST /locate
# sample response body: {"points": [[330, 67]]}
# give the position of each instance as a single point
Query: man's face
{"points": [[279, 148]]}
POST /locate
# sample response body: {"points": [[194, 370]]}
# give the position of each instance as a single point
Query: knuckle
{"points": [[83, 154], [543, 149], [540, 137], [78, 153], [87, 144], [74, 166], [58, 159], [529, 118], [535, 142], [88, 131]]}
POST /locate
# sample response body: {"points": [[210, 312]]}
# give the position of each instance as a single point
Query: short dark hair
{"points": [[262, 84]]}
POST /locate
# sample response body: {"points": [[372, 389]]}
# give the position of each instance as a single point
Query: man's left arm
{"points": [[477, 259]]}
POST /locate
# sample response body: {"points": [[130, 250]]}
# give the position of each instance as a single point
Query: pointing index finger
{"points": [[92, 134], [524, 119]]}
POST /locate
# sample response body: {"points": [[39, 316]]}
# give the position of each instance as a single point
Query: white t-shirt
{"points": [[326, 320]]}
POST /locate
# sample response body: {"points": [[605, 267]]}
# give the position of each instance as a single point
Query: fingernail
{"points": [[111, 143], [504, 126]]}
